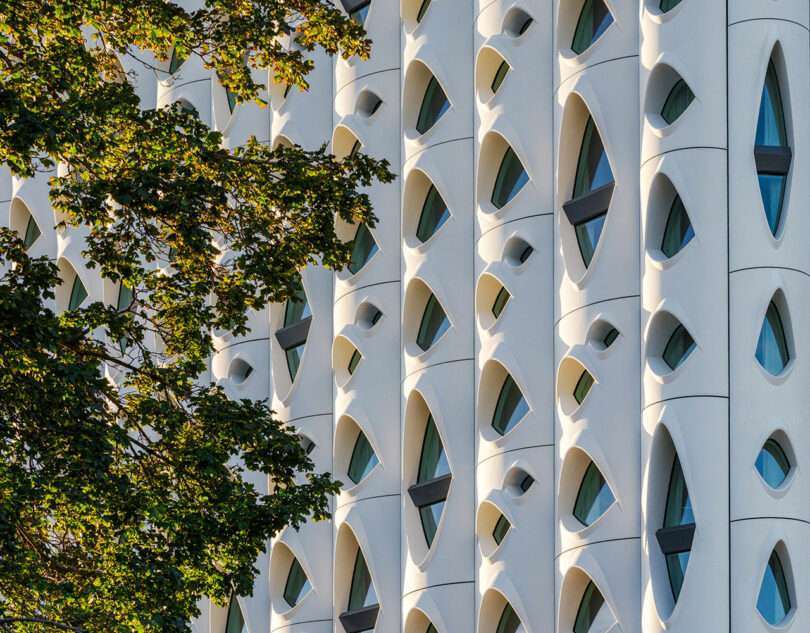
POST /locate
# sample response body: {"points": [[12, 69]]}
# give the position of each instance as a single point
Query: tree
{"points": [[123, 503]]}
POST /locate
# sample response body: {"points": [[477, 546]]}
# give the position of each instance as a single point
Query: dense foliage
{"points": [[122, 496]]}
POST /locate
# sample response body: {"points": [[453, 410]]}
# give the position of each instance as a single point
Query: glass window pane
{"points": [[772, 349], [510, 180], [588, 234], [500, 75], [774, 598], [594, 19], [433, 461], [175, 62], [525, 26], [362, 592], [509, 621], [354, 361], [679, 506], [678, 231], [434, 105], [589, 606], [771, 121], [297, 584], [294, 355], [679, 346], [422, 9], [510, 408], [430, 515], [594, 496], [610, 337], [434, 324], [500, 302], [296, 308], [525, 254], [363, 247], [583, 386], [363, 460], [77, 293], [772, 189], [526, 483], [360, 14], [773, 464], [124, 301], [231, 96], [32, 232], [593, 168], [235, 622], [431, 629], [355, 148], [677, 101], [676, 570], [667, 5], [434, 214], [502, 526]]}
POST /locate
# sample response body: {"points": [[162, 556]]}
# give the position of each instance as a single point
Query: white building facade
{"points": [[563, 380]]}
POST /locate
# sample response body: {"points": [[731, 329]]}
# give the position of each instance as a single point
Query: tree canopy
{"points": [[122, 496]]}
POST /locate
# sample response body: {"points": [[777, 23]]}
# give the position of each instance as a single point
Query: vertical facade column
{"points": [[366, 346], [301, 384], [684, 285], [514, 314], [769, 279], [437, 321], [597, 313]]}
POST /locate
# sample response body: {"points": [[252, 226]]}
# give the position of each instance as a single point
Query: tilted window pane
{"points": [[359, 15], [772, 349], [175, 62], [667, 5], [594, 496], [509, 621], [526, 483], [588, 234], [434, 105], [679, 507], [354, 361], [363, 247], [510, 180], [362, 592], [677, 101], [500, 75], [434, 214], [525, 26], [593, 21], [773, 464], [294, 355], [363, 460], [609, 338], [124, 301], [297, 584], [78, 294], [434, 324], [678, 231], [593, 168], [235, 622], [771, 121], [32, 232], [296, 308], [583, 386], [589, 606], [231, 96], [433, 461], [679, 346], [525, 254], [676, 570], [422, 10], [500, 302], [430, 515], [431, 629], [772, 189], [773, 602], [510, 408], [502, 526]]}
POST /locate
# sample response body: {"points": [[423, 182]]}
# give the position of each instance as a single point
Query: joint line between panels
{"points": [[250, 340], [582, 70], [770, 518], [523, 217], [593, 303], [349, 503], [292, 624], [430, 366], [441, 584], [513, 450], [690, 397], [608, 540], [788, 268], [311, 415], [682, 149], [359, 288], [427, 147], [799, 24], [359, 77]]}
